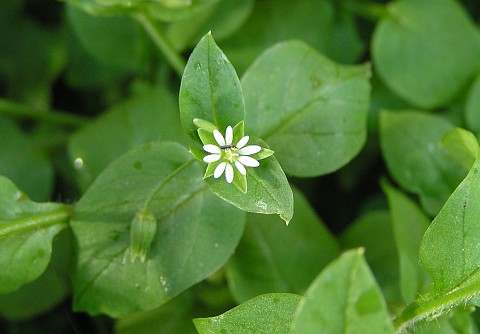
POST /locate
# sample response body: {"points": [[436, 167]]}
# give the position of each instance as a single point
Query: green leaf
{"points": [[450, 248], [311, 111], [409, 224], [47, 291], [270, 256], [268, 190], [472, 116], [27, 230], [147, 117], [462, 146], [270, 313], [210, 89], [31, 170], [343, 299], [416, 158], [418, 54], [174, 10], [195, 235], [115, 42]]}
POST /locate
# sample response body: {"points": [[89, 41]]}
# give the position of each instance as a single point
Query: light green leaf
{"points": [[147, 117], [472, 107], [450, 249], [27, 230], [343, 299], [409, 224], [416, 158], [270, 313], [210, 89], [310, 110], [268, 190], [418, 54], [462, 146], [270, 256], [195, 235]]}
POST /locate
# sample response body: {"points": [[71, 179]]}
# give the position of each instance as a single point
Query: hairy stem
{"points": [[161, 41]]}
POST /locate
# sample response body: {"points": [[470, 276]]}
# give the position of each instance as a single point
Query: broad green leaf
{"points": [[270, 313], [273, 21], [27, 230], [172, 317], [343, 299], [115, 42], [462, 146], [195, 235], [450, 249], [147, 117], [409, 224], [416, 157], [47, 291], [222, 19], [210, 89], [373, 232], [268, 190], [472, 107], [31, 170], [270, 256], [418, 53], [310, 110]]}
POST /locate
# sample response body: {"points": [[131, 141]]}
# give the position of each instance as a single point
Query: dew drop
{"points": [[78, 163]]}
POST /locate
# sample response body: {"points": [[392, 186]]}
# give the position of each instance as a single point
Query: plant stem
{"points": [[161, 41], [21, 110], [37, 221], [436, 307], [369, 11]]}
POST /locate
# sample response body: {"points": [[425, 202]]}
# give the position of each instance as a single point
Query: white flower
{"points": [[237, 154]]}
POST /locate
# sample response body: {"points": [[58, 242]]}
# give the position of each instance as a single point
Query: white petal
{"points": [[211, 158], [212, 148], [242, 142], [251, 149], [218, 137], [248, 161], [228, 135], [229, 173], [219, 170], [240, 168]]}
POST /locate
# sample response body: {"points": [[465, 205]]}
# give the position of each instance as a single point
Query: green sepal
{"points": [[207, 137], [203, 124], [264, 153], [240, 180], [211, 168], [238, 131], [198, 154]]}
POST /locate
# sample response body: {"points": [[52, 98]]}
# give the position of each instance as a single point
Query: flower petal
{"points": [[218, 137], [228, 135], [211, 158], [229, 173], [251, 149], [212, 148], [219, 170], [242, 142], [248, 161], [240, 168]]}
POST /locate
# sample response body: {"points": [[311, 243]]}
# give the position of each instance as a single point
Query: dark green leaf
{"points": [[343, 299], [271, 313], [26, 233], [311, 111], [417, 51], [210, 89], [416, 157], [195, 235], [270, 256]]}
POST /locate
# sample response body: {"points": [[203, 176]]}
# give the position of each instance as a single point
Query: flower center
{"points": [[231, 154]]}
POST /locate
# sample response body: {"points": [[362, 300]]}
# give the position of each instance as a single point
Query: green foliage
{"points": [[239, 166]]}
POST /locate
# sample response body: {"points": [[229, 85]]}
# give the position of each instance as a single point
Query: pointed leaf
{"points": [[271, 313], [418, 54], [210, 89], [27, 230], [195, 235], [310, 110], [343, 299], [450, 249]]}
